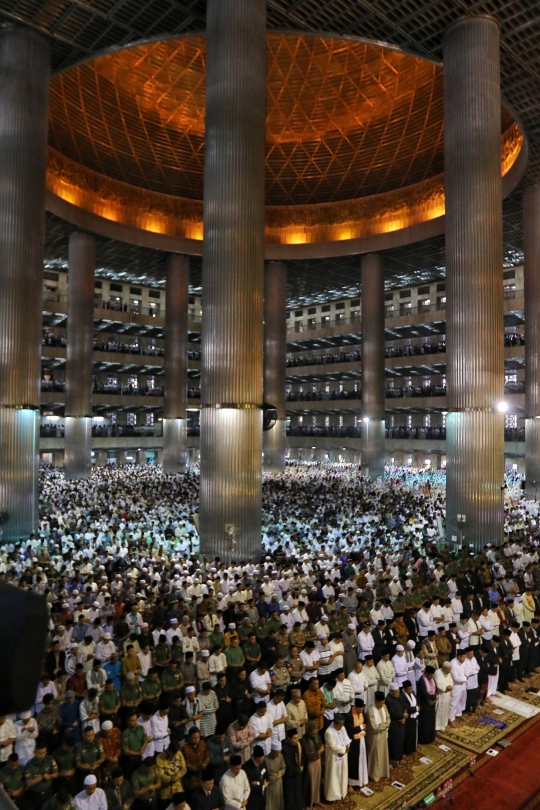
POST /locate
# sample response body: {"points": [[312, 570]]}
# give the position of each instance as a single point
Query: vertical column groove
{"points": [[176, 366], [373, 411], [80, 344], [531, 249], [474, 259], [275, 358], [233, 262], [24, 86]]}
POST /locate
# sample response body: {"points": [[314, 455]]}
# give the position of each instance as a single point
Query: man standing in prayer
{"points": [[91, 797], [275, 766], [313, 748], [234, 785], [398, 718], [426, 693], [401, 667], [411, 726], [378, 723], [297, 716], [472, 669], [255, 769], [458, 698], [444, 683], [372, 680], [294, 766], [336, 773], [355, 725]]}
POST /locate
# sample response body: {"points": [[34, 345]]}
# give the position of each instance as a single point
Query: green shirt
{"points": [[88, 753], [133, 739], [12, 779], [141, 779], [234, 656], [130, 693], [216, 639], [45, 768], [170, 679], [176, 652], [150, 688], [161, 653], [251, 650], [109, 701], [65, 759]]}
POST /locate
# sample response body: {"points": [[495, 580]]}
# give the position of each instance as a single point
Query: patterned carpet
{"points": [[419, 780], [480, 731], [478, 736]]}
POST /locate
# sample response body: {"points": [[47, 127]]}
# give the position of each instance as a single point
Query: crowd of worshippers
{"points": [[172, 681]]}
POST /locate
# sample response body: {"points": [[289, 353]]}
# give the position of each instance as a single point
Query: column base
{"points": [[372, 447], [274, 446], [78, 447], [174, 446], [19, 473], [474, 478], [532, 459], [101, 458], [231, 483]]}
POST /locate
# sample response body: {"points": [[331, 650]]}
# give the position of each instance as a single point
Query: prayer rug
{"points": [[419, 779], [480, 731]]}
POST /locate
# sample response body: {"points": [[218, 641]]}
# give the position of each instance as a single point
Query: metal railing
{"points": [[418, 433]]}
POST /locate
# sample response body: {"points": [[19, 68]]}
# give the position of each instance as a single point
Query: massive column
{"points": [[372, 441], [275, 356], [233, 263], [474, 259], [176, 366], [531, 249], [80, 341], [24, 84]]}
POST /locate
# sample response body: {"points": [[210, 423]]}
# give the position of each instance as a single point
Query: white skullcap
{"points": [[351, 627], [205, 653], [411, 645], [174, 621], [232, 625], [394, 686], [189, 690], [25, 715], [400, 647], [324, 618], [106, 725], [107, 636], [90, 779], [276, 745], [321, 635]]}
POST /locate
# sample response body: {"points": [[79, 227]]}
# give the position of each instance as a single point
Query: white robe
{"points": [[458, 695], [442, 713], [235, 789], [372, 679], [401, 668], [25, 743], [336, 773]]}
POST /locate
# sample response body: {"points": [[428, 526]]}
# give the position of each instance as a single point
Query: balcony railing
{"points": [[105, 431], [418, 433], [390, 393]]}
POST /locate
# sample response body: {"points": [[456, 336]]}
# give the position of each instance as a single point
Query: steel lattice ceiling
{"points": [[79, 28]]}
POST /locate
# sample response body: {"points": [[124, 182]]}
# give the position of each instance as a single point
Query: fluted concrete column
{"points": [[24, 85], [233, 264], [531, 249], [372, 441], [80, 340], [275, 357], [176, 366], [474, 282]]}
